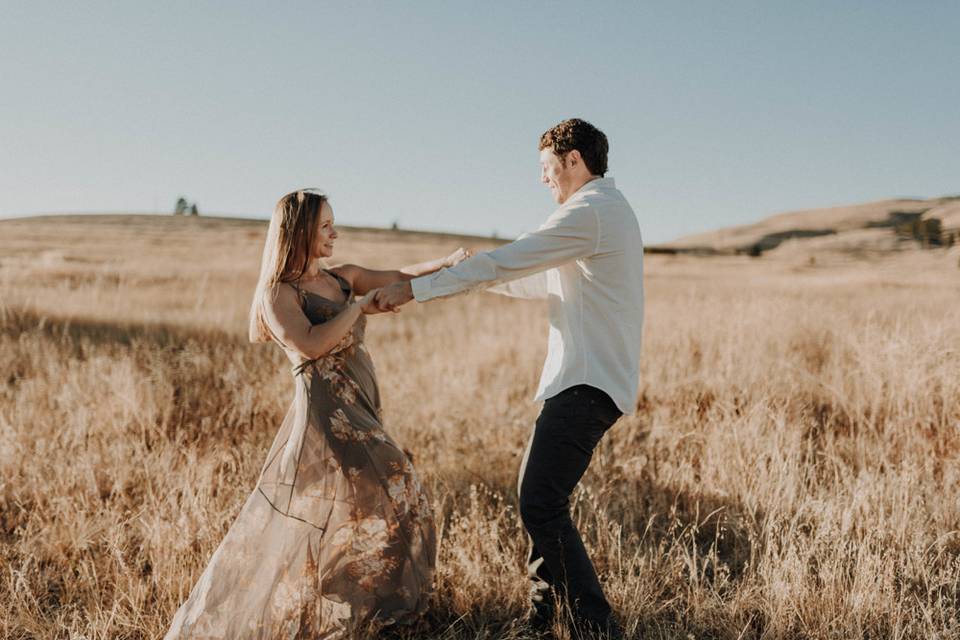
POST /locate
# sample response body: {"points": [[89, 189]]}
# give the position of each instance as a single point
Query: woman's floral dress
{"points": [[338, 531]]}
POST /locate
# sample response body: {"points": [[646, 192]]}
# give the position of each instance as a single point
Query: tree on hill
{"points": [[927, 231], [183, 208]]}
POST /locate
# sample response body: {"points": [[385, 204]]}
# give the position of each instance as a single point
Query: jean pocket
{"points": [[600, 401]]}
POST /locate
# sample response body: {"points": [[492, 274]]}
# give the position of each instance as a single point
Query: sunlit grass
{"points": [[792, 471]]}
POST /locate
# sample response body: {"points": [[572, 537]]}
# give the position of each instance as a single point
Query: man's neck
{"points": [[587, 179]]}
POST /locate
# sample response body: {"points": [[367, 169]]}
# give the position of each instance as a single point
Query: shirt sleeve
{"points": [[570, 233], [533, 287]]}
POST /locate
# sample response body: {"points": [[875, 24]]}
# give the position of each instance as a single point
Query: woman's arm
{"points": [[365, 280], [294, 330]]}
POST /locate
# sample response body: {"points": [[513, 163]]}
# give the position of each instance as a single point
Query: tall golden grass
{"points": [[792, 470]]}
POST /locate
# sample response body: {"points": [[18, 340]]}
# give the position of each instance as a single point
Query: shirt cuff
{"points": [[421, 288]]}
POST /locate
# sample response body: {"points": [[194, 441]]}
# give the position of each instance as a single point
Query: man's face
{"points": [[556, 174]]}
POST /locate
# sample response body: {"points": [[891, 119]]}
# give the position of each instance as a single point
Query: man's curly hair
{"points": [[580, 135]]}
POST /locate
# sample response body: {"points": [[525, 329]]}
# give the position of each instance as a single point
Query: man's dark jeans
{"points": [[569, 427]]}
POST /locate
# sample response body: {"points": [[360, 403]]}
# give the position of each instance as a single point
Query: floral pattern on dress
{"points": [[331, 370], [341, 428], [364, 545]]}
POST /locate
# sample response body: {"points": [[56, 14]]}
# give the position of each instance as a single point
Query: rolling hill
{"points": [[884, 225]]}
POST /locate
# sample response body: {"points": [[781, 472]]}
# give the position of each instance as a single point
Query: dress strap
{"points": [[296, 287]]}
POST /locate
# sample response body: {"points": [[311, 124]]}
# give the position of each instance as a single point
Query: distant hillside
{"points": [[879, 226], [156, 221]]}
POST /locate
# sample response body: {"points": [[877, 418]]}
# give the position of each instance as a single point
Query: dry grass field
{"points": [[792, 471]]}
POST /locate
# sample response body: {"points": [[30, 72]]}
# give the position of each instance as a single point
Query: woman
{"points": [[338, 532]]}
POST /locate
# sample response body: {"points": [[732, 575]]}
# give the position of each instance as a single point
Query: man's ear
{"points": [[573, 158]]}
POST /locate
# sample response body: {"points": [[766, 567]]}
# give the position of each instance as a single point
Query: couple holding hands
{"points": [[339, 533]]}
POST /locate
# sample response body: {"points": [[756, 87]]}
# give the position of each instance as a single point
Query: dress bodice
{"points": [[319, 309]]}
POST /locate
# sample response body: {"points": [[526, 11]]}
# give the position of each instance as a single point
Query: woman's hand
{"points": [[368, 303], [457, 257]]}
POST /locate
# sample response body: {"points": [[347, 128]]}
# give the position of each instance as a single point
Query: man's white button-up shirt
{"points": [[587, 261]]}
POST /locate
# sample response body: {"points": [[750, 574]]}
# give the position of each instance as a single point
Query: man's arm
{"points": [[568, 234], [532, 287]]}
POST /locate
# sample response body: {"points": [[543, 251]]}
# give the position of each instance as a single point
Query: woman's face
{"points": [[325, 234]]}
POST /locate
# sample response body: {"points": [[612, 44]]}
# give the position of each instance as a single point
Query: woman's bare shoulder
{"points": [[281, 295], [346, 271]]}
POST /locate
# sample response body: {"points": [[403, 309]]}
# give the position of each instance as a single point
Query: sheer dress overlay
{"points": [[338, 531]]}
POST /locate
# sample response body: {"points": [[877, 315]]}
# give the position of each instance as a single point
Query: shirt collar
{"points": [[590, 185]]}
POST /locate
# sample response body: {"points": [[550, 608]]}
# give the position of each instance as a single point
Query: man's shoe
{"points": [[542, 600], [542, 617]]}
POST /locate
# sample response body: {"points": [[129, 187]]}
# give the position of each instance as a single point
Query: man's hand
{"points": [[391, 297]]}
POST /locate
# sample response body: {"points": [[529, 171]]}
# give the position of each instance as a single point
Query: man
{"points": [[587, 261]]}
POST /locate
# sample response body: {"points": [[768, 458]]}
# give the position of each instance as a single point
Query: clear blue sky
{"points": [[429, 113]]}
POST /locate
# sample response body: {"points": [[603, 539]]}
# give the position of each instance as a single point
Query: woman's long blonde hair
{"points": [[286, 251]]}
